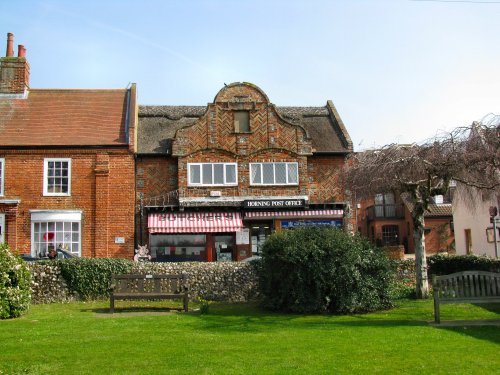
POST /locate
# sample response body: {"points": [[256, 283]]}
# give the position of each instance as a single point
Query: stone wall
{"points": [[231, 281], [48, 285]]}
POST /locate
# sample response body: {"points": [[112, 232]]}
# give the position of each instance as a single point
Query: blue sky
{"points": [[397, 71]]}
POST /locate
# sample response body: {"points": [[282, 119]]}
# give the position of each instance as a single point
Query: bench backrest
{"points": [[467, 284], [149, 283]]}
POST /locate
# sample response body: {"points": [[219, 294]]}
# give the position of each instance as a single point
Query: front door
{"points": [[2, 228], [224, 247]]}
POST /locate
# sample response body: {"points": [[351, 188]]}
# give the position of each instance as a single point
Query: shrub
{"points": [[90, 278], [319, 269], [15, 285], [446, 264]]}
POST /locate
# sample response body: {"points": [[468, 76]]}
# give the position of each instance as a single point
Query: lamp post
{"points": [[493, 220]]}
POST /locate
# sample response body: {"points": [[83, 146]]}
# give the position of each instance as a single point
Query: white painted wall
{"points": [[475, 217]]}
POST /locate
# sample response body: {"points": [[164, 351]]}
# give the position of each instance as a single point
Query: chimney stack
{"points": [[10, 45], [14, 71], [21, 51]]}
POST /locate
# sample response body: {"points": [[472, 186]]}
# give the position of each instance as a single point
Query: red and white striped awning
{"points": [[294, 214], [195, 222]]}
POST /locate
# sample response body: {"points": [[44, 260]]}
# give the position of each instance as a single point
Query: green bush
{"points": [[90, 278], [15, 284], [446, 264], [319, 269]]}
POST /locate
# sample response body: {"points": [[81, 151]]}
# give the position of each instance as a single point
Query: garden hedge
{"points": [[15, 284]]}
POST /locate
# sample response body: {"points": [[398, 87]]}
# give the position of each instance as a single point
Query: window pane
{"points": [[218, 174], [75, 227], [256, 177], [389, 198], [280, 169], [293, 173], [230, 174], [267, 173], [207, 174], [195, 174]]}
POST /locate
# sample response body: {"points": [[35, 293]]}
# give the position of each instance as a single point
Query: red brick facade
{"points": [[102, 187], [439, 236]]}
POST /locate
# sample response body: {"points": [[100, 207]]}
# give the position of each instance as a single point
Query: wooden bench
{"points": [[147, 286], [465, 287]]}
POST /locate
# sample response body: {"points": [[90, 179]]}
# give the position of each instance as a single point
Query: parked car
{"points": [[61, 254]]}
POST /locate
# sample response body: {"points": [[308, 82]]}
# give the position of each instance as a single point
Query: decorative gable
{"points": [[218, 129]]}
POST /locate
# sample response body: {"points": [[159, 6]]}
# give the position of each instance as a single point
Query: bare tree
{"points": [[468, 155]]}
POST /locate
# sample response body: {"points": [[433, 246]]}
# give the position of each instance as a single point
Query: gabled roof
{"points": [[57, 117], [158, 124]]}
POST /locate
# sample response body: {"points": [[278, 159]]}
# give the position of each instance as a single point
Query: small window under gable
{"points": [[241, 121]]}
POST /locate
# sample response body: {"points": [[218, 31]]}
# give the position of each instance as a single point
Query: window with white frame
{"points": [[57, 177], [280, 173], [2, 174], [52, 230], [210, 174]]}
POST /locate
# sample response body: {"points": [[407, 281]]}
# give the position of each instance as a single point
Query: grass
{"points": [[82, 338]]}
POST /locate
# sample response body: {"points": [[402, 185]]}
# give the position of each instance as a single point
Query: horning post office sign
{"points": [[274, 203]]}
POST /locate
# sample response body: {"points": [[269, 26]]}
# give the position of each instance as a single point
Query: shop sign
{"points": [[291, 224], [196, 216], [274, 203]]}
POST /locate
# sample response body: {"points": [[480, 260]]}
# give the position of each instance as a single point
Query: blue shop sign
{"points": [[291, 224]]}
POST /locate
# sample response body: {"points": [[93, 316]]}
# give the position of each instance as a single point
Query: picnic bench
{"points": [[465, 287], [148, 286]]}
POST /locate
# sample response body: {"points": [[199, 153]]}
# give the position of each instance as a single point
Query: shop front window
{"points": [[52, 235], [178, 247], [55, 230]]}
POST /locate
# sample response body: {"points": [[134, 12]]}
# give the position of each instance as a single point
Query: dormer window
{"points": [[241, 121]]}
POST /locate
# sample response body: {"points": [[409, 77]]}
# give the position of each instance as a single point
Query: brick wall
{"points": [[102, 187]]}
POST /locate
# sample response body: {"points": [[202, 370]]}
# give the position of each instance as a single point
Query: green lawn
{"points": [[82, 338]]}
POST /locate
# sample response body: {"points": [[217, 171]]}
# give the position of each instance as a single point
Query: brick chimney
{"points": [[14, 71]]}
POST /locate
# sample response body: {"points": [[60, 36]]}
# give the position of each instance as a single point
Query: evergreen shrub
{"points": [[90, 278], [320, 269], [15, 284], [445, 264]]}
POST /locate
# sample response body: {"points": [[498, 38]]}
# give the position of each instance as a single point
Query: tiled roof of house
{"points": [[159, 123], [435, 210], [57, 117]]}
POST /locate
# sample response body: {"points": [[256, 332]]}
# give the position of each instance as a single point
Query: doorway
{"points": [[468, 241], [224, 247]]}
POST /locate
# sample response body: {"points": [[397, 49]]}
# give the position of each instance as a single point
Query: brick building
{"points": [[213, 182], [66, 166], [386, 221]]}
